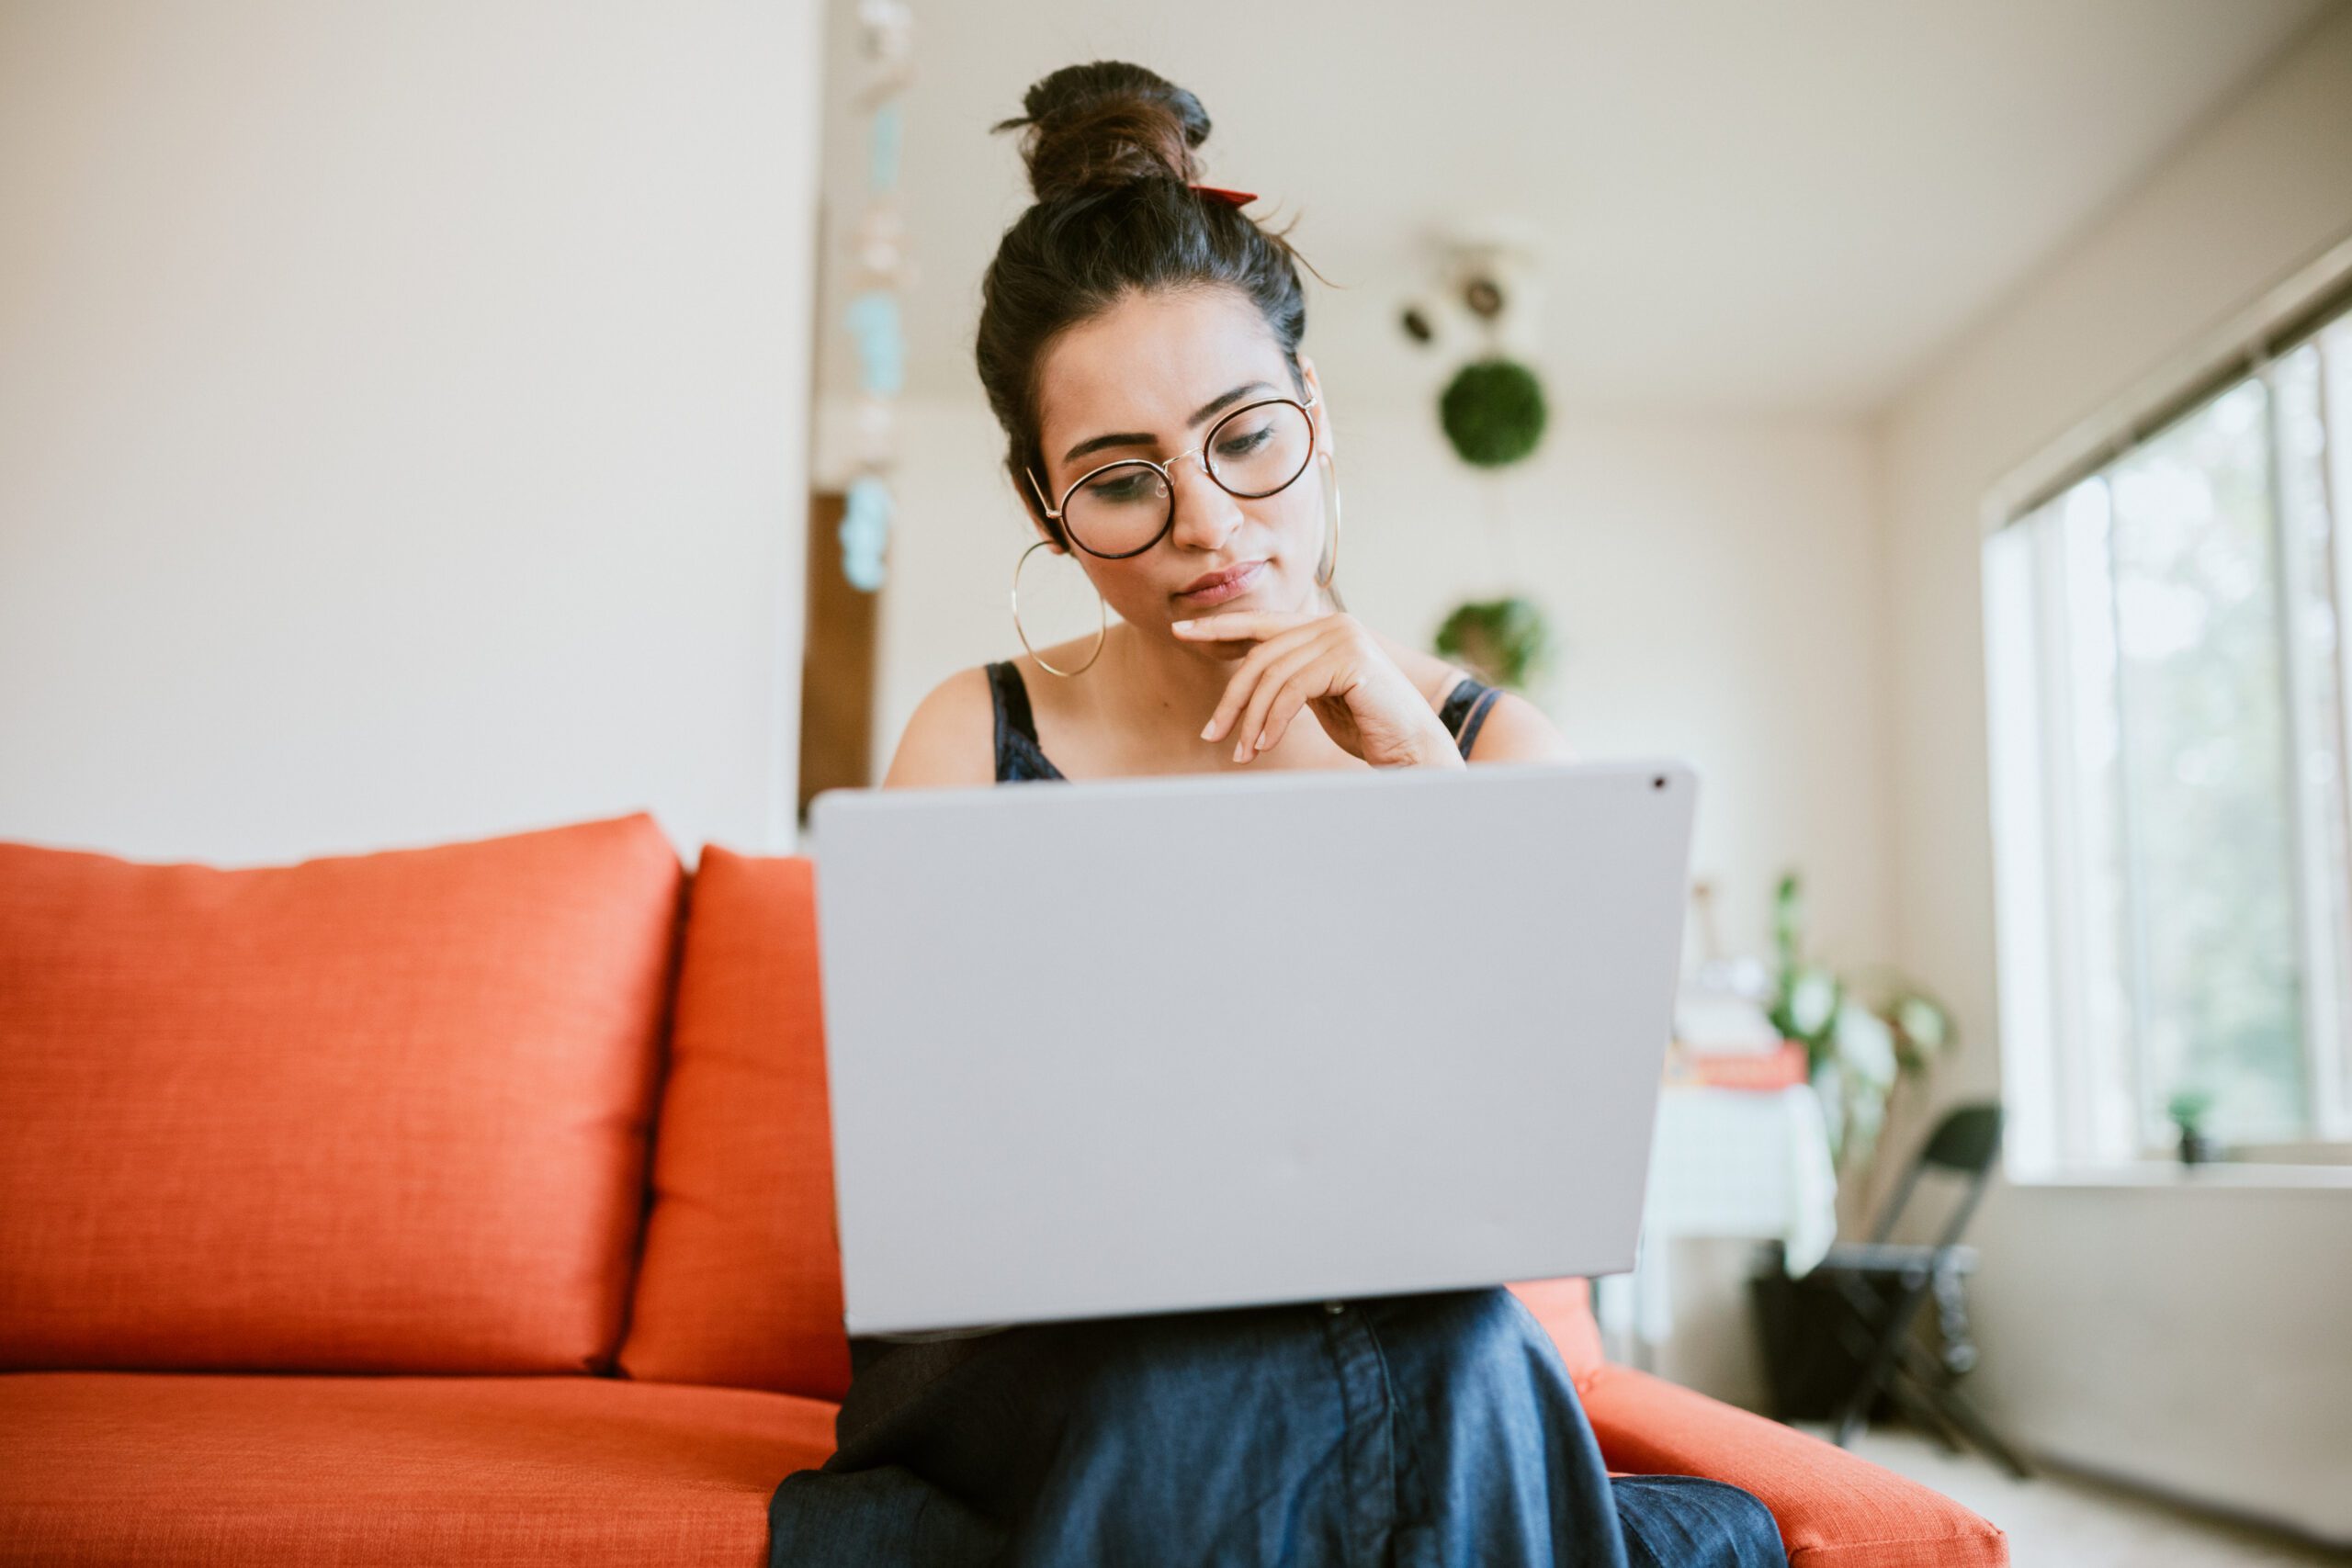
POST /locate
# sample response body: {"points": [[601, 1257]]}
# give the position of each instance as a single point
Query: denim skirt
{"points": [[1407, 1431]]}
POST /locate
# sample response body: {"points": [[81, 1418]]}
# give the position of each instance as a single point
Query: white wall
{"points": [[402, 419], [2195, 1341], [1713, 579]]}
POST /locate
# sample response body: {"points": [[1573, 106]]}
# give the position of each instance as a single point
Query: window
{"points": [[2169, 680]]}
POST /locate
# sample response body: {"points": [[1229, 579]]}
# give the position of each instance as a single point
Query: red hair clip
{"points": [[1238, 197]]}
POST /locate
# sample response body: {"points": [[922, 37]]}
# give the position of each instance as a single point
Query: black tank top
{"points": [[1019, 756]]}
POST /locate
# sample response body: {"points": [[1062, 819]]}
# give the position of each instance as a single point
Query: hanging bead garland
{"points": [[881, 272]]}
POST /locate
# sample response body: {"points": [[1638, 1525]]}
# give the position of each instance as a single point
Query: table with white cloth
{"points": [[1724, 1163]]}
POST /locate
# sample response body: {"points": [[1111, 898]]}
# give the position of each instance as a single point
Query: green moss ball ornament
{"points": [[1493, 411], [1506, 642]]}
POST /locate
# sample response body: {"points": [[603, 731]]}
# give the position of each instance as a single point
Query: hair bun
{"points": [[1105, 124]]}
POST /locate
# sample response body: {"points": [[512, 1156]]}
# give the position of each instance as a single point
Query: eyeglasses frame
{"points": [[1168, 477]]}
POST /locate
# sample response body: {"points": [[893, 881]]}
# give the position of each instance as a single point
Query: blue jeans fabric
{"points": [[1438, 1430]]}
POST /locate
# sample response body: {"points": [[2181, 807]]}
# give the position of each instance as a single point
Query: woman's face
{"points": [[1147, 378]]}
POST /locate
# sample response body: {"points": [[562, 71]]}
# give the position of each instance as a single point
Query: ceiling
{"points": [[1731, 206]]}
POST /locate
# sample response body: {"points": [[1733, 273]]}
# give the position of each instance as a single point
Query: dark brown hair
{"points": [[1110, 148]]}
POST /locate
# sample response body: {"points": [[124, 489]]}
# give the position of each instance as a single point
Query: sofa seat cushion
{"points": [[1836, 1509], [368, 1113], [132, 1467]]}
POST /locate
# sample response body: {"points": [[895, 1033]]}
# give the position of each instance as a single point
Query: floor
{"points": [[2066, 1521]]}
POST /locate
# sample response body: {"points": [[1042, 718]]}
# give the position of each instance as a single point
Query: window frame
{"points": [[2061, 1127]]}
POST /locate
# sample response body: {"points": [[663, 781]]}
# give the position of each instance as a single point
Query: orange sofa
{"points": [[472, 1204]]}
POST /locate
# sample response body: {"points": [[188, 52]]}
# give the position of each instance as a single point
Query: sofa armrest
{"points": [[1835, 1510]]}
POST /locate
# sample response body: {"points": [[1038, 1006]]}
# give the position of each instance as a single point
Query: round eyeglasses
{"points": [[1124, 508]]}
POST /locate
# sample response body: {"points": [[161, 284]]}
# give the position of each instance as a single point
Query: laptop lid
{"points": [[1152, 1045]]}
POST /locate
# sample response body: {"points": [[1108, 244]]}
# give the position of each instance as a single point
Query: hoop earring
{"points": [[1103, 611], [1329, 566]]}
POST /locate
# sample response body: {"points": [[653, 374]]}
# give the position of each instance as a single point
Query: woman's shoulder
{"points": [[1515, 730], [950, 739]]}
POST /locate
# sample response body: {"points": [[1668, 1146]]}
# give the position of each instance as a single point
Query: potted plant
{"points": [[2188, 1108], [1858, 1054], [1862, 1057]]}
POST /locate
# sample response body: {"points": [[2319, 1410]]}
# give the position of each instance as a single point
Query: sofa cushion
{"points": [[380, 1112], [1835, 1510], [131, 1467], [741, 1278], [1565, 1309]]}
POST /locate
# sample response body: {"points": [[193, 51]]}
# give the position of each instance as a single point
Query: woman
{"points": [[1139, 343]]}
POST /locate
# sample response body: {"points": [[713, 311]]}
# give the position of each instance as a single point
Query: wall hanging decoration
{"points": [[1506, 642], [1478, 314], [880, 274], [1493, 411]]}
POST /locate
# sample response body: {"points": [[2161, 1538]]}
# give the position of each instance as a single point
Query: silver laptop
{"points": [[1143, 1045]]}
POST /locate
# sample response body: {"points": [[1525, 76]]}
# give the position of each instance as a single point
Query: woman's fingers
{"points": [[1242, 681], [1300, 669], [1305, 656], [1287, 702], [1243, 625]]}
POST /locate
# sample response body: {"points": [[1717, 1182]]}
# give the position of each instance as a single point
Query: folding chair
{"points": [[1885, 1283]]}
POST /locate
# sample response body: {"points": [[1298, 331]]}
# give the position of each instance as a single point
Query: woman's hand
{"points": [[1331, 662]]}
